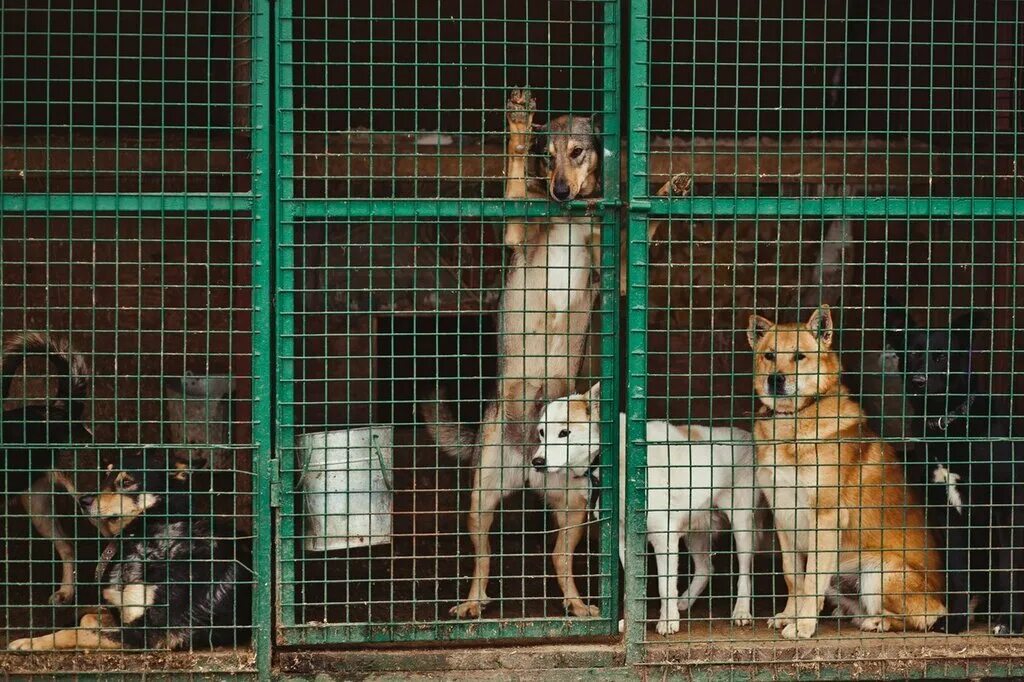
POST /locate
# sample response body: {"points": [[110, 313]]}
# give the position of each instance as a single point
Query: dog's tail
{"points": [[453, 438], [71, 368]]}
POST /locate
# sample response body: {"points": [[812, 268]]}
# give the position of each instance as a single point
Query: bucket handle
{"points": [[380, 460]]}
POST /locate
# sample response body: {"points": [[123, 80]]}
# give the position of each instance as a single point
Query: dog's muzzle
{"points": [[539, 463], [86, 501], [919, 379], [560, 190], [776, 384]]}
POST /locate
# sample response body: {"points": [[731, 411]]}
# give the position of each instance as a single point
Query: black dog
{"points": [[172, 579], [38, 441], [970, 470]]}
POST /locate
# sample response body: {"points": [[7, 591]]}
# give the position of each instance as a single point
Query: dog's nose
{"points": [[777, 384], [539, 462], [560, 190], [85, 501], [919, 379]]}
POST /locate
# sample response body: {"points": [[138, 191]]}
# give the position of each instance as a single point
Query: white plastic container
{"points": [[346, 487]]}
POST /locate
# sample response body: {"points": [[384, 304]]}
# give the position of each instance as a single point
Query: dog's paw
{"points": [[576, 607], [62, 596], [1004, 630], [24, 644], [780, 620], [951, 625], [667, 626], [742, 617], [873, 624], [519, 110], [470, 608], [802, 628]]}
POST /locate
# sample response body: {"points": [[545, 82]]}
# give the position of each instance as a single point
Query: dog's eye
{"points": [[575, 153], [564, 433], [540, 432], [800, 356], [770, 357]]}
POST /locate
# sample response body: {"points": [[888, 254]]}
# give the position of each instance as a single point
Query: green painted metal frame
{"points": [[291, 211], [257, 203]]}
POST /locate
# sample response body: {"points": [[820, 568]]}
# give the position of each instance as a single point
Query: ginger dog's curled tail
{"points": [[454, 439], [70, 367]]}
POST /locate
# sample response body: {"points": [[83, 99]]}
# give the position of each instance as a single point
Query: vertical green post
{"points": [[262, 319], [610, 365], [636, 412]]}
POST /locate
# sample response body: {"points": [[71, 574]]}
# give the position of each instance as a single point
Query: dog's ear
{"points": [[593, 397], [757, 327], [820, 324]]}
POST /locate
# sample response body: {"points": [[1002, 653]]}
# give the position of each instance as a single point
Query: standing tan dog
{"points": [[846, 523], [543, 322]]}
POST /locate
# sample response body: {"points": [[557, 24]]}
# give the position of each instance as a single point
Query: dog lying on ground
{"points": [[39, 442], [972, 472], [847, 524], [543, 321], [172, 580], [700, 480]]}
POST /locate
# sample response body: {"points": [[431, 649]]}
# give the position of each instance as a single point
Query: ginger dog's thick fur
{"points": [[543, 322], [842, 508]]}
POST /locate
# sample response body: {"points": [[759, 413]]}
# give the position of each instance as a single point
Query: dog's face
{"points": [[935, 363], [574, 158], [127, 491], [569, 430], [793, 363]]}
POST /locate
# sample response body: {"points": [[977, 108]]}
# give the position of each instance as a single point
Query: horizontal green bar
{"points": [[124, 203], [445, 631], [435, 208], [853, 207]]}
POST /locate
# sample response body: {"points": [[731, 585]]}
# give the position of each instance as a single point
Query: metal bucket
{"points": [[346, 484]]}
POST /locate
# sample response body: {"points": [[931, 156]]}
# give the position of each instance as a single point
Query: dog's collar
{"points": [[943, 422], [105, 558]]}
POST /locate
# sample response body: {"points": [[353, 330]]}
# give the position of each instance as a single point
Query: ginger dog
{"points": [[847, 526]]}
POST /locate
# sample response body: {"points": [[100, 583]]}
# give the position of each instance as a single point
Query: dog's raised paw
{"points": [[519, 109]]}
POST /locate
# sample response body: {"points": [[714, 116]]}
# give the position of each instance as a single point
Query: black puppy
{"points": [[173, 579], [969, 470]]}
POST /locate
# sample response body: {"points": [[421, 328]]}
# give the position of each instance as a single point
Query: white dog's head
{"points": [[569, 430]]}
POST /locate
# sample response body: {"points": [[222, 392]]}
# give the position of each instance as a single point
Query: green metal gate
{"points": [[389, 262]]}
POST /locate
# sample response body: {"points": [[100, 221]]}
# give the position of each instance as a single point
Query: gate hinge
{"points": [[275, 482]]}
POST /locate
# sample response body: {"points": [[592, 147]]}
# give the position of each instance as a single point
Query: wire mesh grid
{"points": [[134, 213], [392, 285], [825, 157]]}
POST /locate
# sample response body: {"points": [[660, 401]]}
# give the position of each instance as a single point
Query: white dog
{"points": [[699, 481]]}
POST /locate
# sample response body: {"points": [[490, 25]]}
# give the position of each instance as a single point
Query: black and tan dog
{"points": [[39, 441], [173, 579], [971, 468]]}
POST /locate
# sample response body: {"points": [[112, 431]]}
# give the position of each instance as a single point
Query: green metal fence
{"points": [[308, 199]]}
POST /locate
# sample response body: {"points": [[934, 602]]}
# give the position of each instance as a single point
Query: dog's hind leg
{"points": [[39, 505], [742, 521], [571, 518], [957, 552], [492, 481], [90, 635], [666, 554], [519, 112], [698, 545]]}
